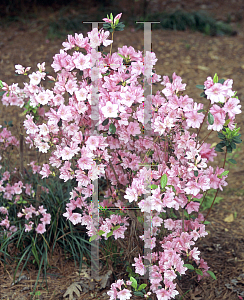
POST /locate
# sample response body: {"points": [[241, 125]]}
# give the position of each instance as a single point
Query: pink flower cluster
{"points": [[7, 139], [13, 192], [30, 212], [119, 154], [6, 223]]}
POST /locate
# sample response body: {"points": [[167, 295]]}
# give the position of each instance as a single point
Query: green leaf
{"points": [[105, 122], [119, 27], [236, 140], [106, 25], [139, 294], [153, 186], [92, 238], [186, 214], [206, 222], [21, 202], [163, 181], [199, 272], [221, 144], [218, 149], [121, 55], [100, 232], [109, 234], [210, 118], [227, 122], [203, 95], [142, 286], [1, 84], [212, 274], [221, 135], [221, 81], [116, 227], [112, 128], [223, 174], [201, 87], [195, 173], [231, 160], [215, 79], [200, 110], [229, 149], [234, 95], [2, 93], [134, 282], [233, 145], [188, 266]]}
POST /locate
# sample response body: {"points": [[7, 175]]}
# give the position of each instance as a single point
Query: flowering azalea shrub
{"points": [[59, 122]]}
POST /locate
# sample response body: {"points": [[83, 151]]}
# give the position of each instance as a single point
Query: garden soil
{"points": [[192, 55]]}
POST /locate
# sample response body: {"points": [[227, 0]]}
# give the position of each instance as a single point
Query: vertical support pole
{"points": [[94, 132], [147, 132]]}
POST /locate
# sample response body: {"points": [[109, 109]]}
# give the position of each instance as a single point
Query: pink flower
{"points": [[42, 98], [131, 194], [139, 265], [113, 292], [110, 110], [5, 222], [194, 253], [3, 210], [94, 38], [124, 294], [192, 188], [107, 20], [30, 125], [194, 119], [134, 128], [40, 228], [35, 78], [66, 171], [219, 121], [192, 206], [217, 93], [45, 171], [46, 219], [75, 218], [42, 210], [119, 233], [29, 226], [117, 18], [232, 108], [162, 294], [19, 69], [208, 83], [103, 38]]}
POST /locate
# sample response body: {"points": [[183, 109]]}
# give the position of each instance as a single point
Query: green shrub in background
{"points": [[182, 20]]}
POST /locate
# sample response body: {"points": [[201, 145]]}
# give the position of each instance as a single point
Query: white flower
{"points": [[110, 110]]}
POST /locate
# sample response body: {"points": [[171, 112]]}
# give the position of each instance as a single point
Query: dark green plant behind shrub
{"points": [[181, 20]]}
